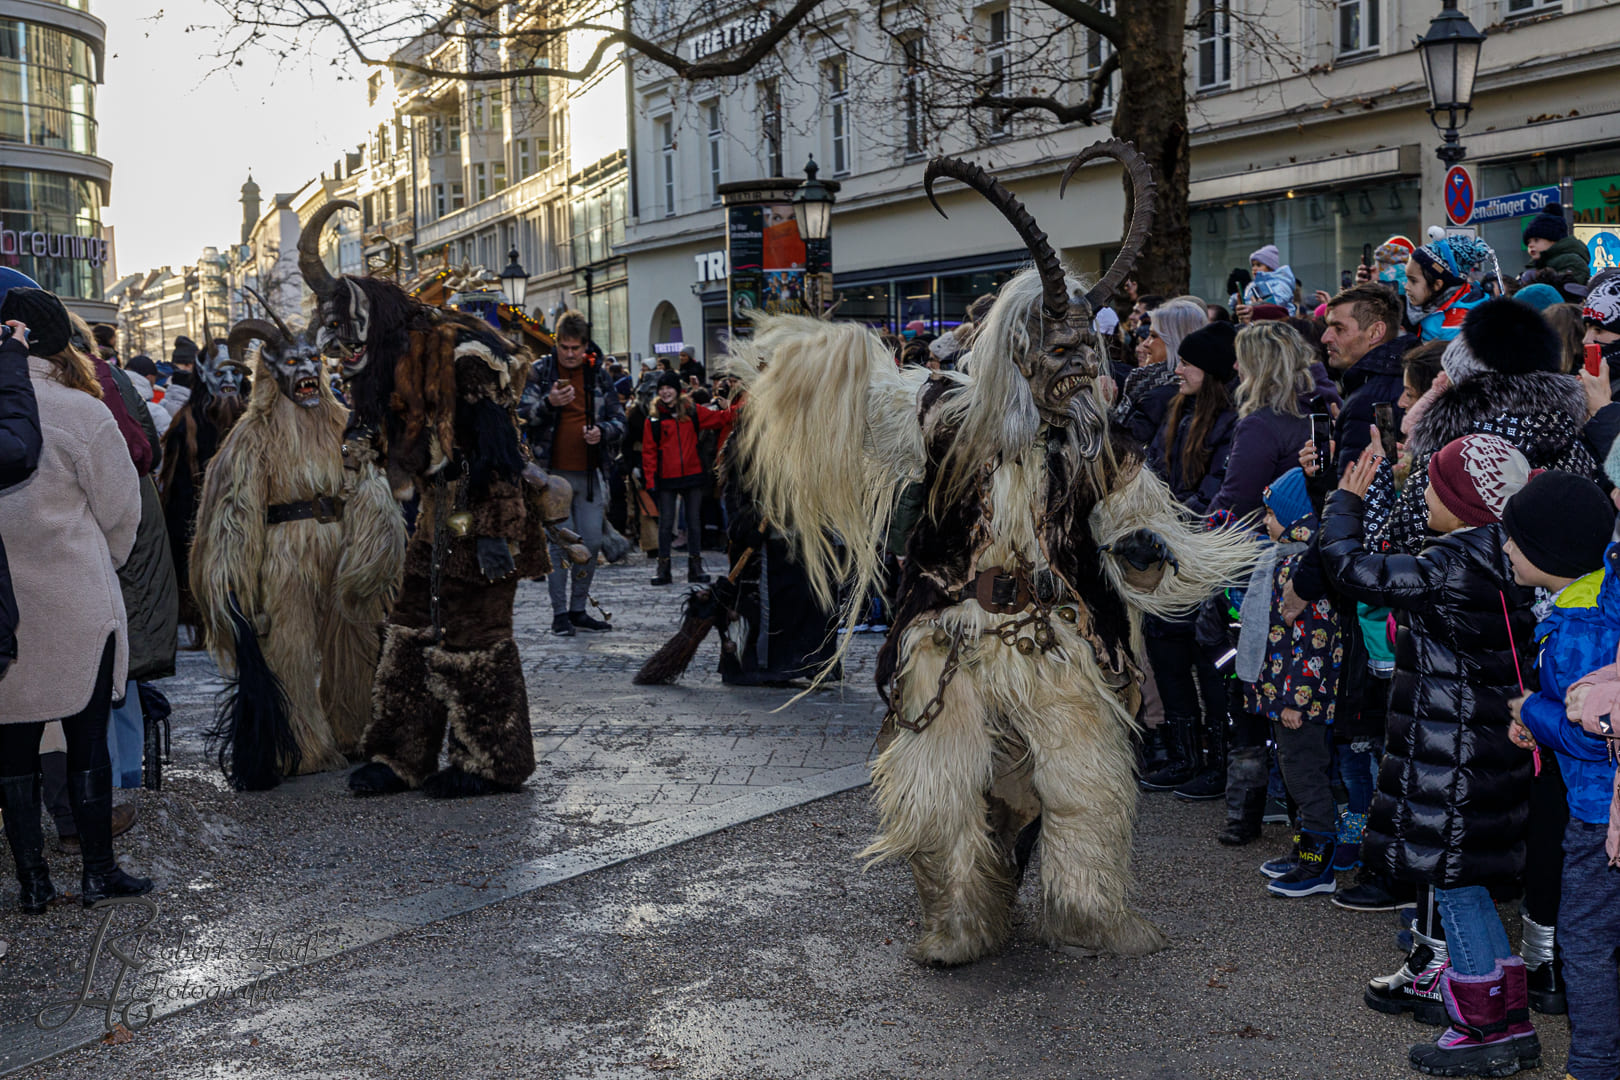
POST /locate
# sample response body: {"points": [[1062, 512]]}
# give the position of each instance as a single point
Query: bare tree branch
{"points": [[1092, 18]]}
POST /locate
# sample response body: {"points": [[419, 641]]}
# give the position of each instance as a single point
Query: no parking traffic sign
{"points": [[1459, 195]]}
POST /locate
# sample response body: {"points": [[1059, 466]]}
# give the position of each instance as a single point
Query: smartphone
{"points": [[1384, 417], [1366, 255], [1322, 439], [1594, 357], [1346, 279]]}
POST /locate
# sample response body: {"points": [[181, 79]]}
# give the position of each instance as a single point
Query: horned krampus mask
{"points": [[293, 360], [1062, 358], [222, 373], [343, 313]]}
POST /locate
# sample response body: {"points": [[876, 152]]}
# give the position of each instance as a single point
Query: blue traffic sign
{"points": [[1459, 195], [1520, 204]]}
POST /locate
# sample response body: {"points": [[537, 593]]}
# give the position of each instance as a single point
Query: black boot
{"points": [[663, 577], [90, 792], [1151, 755], [1544, 968], [1245, 795], [1210, 780], [19, 797], [1181, 742], [694, 570]]}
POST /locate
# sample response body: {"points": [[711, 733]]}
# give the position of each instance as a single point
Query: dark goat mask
{"points": [[293, 361]]}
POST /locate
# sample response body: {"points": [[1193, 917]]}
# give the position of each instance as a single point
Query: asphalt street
{"points": [[631, 913]]}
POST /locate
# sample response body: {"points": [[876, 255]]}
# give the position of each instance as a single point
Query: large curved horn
{"points": [[316, 275], [1056, 299], [1144, 199], [249, 330], [268, 310]]}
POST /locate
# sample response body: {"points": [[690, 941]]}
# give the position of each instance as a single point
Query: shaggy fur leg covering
{"points": [[291, 651], [487, 705], [1084, 775], [349, 655], [930, 789], [407, 719]]}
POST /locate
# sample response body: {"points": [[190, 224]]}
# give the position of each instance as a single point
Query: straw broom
{"points": [[698, 616]]}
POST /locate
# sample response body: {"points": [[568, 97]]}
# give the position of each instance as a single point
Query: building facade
{"points": [[53, 184], [1309, 130]]}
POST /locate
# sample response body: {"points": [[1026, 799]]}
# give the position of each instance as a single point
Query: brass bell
{"points": [[1026, 646], [1067, 614], [1043, 636], [460, 523], [941, 638]]}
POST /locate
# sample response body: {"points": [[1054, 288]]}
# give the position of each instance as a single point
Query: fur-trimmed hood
{"points": [[1489, 394]]}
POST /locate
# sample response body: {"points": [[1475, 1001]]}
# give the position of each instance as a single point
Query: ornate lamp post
{"points": [[515, 280], [1450, 53], [812, 208]]}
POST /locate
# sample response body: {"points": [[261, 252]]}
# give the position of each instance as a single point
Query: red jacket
{"points": [[669, 443]]}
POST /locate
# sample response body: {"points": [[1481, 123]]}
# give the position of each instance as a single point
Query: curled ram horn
{"points": [[310, 264], [1055, 287], [252, 330], [1144, 199]]}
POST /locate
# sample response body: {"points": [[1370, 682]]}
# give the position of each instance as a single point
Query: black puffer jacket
{"points": [[19, 456], [1453, 791], [1540, 414]]}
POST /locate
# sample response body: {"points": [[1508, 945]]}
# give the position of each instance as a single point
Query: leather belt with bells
{"points": [[999, 592]]}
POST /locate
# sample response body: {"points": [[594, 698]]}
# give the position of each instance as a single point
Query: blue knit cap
{"points": [[1287, 497], [1539, 296]]}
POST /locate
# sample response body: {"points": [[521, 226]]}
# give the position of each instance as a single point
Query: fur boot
{"points": [[487, 705], [407, 719]]}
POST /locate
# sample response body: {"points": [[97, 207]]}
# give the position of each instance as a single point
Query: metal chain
{"points": [[936, 705]]}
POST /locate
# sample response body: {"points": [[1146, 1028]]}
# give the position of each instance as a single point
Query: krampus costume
{"points": [[434, 394], [293, 565], [1008, 669], [219, 391]]}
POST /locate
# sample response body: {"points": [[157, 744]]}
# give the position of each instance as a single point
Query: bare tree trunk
{"points": [[1152, 113]]}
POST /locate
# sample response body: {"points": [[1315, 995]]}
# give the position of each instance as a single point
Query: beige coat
{"points": [[66, 530]]}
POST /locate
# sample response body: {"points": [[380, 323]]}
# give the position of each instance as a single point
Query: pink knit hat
{"points": [[1474, 477]]}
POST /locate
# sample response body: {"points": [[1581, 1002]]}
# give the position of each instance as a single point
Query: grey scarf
{"points": [[1255, 616]]}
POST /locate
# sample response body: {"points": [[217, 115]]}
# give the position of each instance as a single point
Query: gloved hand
{"points": [[495, 558], [1143, 550]]}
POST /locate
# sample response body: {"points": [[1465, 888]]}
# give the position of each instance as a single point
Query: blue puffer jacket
{"points": [[1577, 637], [1272, 287]]}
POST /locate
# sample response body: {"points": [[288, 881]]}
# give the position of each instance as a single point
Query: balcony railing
{"points": [[519, 196]]}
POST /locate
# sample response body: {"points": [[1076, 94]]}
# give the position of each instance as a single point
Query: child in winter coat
{"points": [[1289, 669], [1272, 283], [1439, 294], [1453, 789], [1558, 529]]}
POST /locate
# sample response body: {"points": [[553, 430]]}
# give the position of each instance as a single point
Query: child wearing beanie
{"points": [[1272, 281], [1451, 809], [1558, 531], [1289, 669]]}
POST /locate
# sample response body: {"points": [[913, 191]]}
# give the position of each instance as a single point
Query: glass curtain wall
{"points": [[47, 88]]}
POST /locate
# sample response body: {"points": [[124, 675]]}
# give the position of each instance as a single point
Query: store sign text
{"points": [[711, 265], [735, 32], [91, 249]]}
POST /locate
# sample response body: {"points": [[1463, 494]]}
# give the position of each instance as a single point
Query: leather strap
{"points": [[1000, 592], [324, 509]]}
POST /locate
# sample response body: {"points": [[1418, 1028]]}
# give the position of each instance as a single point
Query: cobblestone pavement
{"points": [[235, 868]]}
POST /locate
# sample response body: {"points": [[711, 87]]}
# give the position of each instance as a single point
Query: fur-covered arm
{"points": [[373, 541], [229, 540], [1139, 522]]}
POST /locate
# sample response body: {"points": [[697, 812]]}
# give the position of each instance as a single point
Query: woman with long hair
{"points": [[1275, 386], [66, 531], [1190, 454], [1148, 390]]}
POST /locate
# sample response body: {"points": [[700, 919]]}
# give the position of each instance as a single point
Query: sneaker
{"points": [[1283, 864], [1276, 813], [1312, 872], [583, 621], [1366, 896], [1209, 784], [1168, 778], [562, 625]]}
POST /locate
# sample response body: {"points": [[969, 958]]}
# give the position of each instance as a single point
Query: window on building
{"points": [[666, 163], [455, 134], [478, 111], [911, 93], [368, 218], [520, 157], [495, 109], [373, 87], [995, 56], [401, 143], [1358, 27], [1214, 44], [716, 176], [458, 195], [770, 112], [438, 135], [500, 176], [1098, 50], [836, 72], [402, 196], [439, 206], [559, 134], [1532, 7], [480, 182]]}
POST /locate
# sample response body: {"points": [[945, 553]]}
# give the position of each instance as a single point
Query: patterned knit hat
{"points": [[1474, 477], [1452, 257], [1602, 305], [1287, 498]]}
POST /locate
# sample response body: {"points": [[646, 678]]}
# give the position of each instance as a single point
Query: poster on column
{"points": [[745, 252], [767, 257]]}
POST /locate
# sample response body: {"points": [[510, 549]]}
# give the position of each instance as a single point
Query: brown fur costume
{"points": [[316, 591]]}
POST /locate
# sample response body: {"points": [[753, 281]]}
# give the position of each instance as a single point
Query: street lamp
{"points": [[1450, 52], [812, 209], [515, 280]]}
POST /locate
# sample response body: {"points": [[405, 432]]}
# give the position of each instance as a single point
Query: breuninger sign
{"points": [[40, 245]]}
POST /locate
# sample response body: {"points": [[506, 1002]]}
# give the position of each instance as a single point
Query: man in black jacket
{"points": [[1365, 346], [19, 457], [574, 419]]}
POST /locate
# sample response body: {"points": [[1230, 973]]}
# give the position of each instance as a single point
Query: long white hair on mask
{"points": [[994, 411]]}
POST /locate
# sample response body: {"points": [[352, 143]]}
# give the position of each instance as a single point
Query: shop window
{"points": [[1214, 44], [1358, 27], [867, 304]]}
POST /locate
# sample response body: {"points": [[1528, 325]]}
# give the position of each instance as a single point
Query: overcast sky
{"points": [[182, 140]]}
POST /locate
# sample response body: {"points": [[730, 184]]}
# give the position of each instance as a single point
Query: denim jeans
{"points": [[1474, 931], [1358, 766], [1589, 934], [126, 739]]}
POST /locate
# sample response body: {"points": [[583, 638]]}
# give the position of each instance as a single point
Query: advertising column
{"points": [[765, 252]]}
